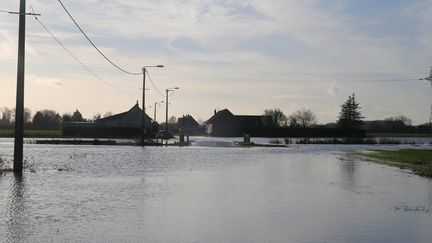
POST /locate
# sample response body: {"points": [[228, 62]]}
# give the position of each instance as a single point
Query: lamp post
{"points": [[144, 129], [166, 117], [155, 104]]}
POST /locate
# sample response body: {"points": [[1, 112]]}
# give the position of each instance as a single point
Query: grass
{"points": [[32, 133], [416, 160], [252, 144], [400, 135]]}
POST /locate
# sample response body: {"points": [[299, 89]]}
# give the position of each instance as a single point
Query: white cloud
{"points": [[333, 90], [264, 48]]}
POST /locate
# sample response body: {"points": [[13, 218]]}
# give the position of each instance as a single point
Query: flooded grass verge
{"points": [[417, 160], [399, 135], [252, 144], [32, 133]]}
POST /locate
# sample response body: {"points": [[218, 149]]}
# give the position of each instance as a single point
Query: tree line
{"points": [[44, 119], [349, 120]]}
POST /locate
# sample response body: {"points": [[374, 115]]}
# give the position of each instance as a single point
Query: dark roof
{"points": [[121, 115], [188, 120], [220, 114], [249, 117]]}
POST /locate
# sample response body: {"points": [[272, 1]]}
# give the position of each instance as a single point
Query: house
{"points": [[187, 125], [225, 124], [123, 125], [129, 119]]}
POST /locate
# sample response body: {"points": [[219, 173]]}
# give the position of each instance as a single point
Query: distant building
{"points": [[187, 125], [129, 119], [127, 124], [225, 124]]}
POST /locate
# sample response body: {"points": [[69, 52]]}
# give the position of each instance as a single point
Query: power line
{"points": [[305, 81], [77, 60], [154, 86], [91, 42]]}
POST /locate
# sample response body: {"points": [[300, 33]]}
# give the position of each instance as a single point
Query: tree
{"points": [[66, 117], [277, 117], [77, 116], [27, 115], [401, 119], [302, 118], [46, 119], [96, 117], [172, 120], [109, 113], [350, 117], [7, 115]]}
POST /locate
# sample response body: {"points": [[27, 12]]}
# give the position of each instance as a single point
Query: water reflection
{"points": [[348, 169], [16, 216], [430, 194]]}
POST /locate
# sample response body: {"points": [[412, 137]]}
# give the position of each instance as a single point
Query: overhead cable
{"points": [[154, 86], [91, 42], [77, 60]]}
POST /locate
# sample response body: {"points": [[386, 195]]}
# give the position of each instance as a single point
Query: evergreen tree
{"points": [[77, 117], [350, 117]]}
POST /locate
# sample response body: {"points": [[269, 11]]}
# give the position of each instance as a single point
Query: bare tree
{"points": [[302, 118], [7, 115], [402, 119], [278, 118], [27, 115], [96, 117], [109, 113]]}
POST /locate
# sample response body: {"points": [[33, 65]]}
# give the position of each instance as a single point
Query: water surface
{"points": [[210, 193]]}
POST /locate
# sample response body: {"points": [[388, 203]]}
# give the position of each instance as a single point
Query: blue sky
{"points": [[241, 55]]}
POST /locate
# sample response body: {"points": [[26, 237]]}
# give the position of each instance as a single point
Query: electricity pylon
{"points": [[430, 80]]}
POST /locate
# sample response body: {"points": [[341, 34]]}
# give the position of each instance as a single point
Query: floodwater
{"points": [[210, 192]]}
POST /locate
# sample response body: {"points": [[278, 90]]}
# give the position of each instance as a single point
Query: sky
{"points": [[246, 56]]}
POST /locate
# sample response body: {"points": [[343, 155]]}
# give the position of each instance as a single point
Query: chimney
{"points": [[215, 111]]}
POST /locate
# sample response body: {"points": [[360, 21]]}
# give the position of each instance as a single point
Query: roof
{"points": [[220, 114], [187, 120], [123, 114]]}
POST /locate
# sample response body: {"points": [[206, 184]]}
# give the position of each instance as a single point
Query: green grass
{"points": [[252, 144], [400, 135], [419, 161], [32, 133]]}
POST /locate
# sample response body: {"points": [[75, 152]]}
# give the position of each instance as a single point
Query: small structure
{"points": [[187, 125], [225, 124]]}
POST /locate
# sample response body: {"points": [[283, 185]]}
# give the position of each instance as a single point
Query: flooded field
{"points": [[210, 192]]}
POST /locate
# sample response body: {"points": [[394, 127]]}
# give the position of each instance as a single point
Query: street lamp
{"points": [[155, 104], [144, 130], [166, 105]]}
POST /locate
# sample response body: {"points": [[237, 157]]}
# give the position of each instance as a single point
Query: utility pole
{"points": [[166, 117], [166, 112], [19, 112], [157, 103], [143, 108], [430, 80], [144, 128], [154, 118], [430, 118]]}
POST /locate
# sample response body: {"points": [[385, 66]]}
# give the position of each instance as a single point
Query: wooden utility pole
{"points": [[19, 115]]}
